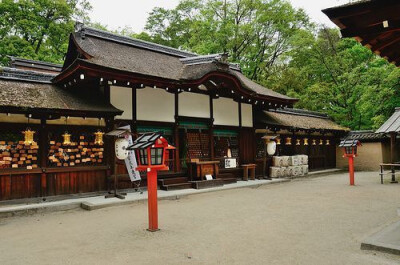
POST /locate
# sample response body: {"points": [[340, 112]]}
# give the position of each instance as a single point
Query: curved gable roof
{"points": [[144, 58]]}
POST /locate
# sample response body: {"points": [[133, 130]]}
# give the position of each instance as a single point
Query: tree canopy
{"points": [[276, 45], [38, 29]]}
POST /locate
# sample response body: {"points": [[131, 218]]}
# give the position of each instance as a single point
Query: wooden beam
{"points": [[393, 39], [134, 111], [394, 26], [211, 131]]}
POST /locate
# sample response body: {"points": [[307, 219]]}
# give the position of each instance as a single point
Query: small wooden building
{"points": [[299, 132], [203, 105]]}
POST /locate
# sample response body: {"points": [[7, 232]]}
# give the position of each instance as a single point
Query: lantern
{"points": [[278, 141], [288, 141], [297, 141], [328, 142], [98, 138], [121, 144], [321, 142], [67, 138], [150, 150], [28, 135], [305, 141], [271, 148], [314, 142], [350, 151]]}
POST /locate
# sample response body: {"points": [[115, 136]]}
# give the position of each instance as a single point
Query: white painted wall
{"points": [[194, 105], [121, 98], [78, 121], [155, 105], [226, 112], [247, 115], [17, 118]]}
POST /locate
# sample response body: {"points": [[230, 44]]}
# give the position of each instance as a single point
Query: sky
{"points": [[133, 13]]}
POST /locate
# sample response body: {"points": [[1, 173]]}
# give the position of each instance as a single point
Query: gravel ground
{"points": [[310, 221]]}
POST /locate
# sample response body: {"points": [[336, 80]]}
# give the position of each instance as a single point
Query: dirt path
{"points": [[312, 221]]}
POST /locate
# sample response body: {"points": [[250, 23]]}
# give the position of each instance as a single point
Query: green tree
{"points": [[38, 29], [255, 33], [340, 77]]}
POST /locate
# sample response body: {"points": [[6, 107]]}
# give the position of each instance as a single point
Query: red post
{"points": [[152, 200], [351, 170]]}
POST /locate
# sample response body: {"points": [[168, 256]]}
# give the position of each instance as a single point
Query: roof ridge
{"points": [[25, 75], [303, 112], [133, 42], [35, 61], [209, 58]]}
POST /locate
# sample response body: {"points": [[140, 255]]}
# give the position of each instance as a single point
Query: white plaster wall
{"points": [[247, 115], [78, 121], [121, 98], [226, 112], [194, 105], [155, 105], [17, 118]]}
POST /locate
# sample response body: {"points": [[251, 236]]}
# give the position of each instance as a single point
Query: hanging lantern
{"points": [[278, 141], [67, 138], [28, 135], [321, 142], [98, 138], [328, 142], [297, 141], [314, 142], [305, 141], [288, 141], [271, 148]]}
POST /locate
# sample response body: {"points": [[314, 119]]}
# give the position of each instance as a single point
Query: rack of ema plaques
{"points": [[289, 166]]}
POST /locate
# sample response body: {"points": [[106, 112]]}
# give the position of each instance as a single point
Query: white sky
{"points": [[133, 13]]}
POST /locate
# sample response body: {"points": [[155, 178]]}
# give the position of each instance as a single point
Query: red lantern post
{"points": [[151, 151], [350, 151]]}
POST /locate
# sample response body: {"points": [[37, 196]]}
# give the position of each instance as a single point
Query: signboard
{"points": [[230, 162], [130, 161]]}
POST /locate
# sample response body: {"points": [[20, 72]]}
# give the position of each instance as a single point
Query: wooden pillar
{"points": [[240, 132], [44, 150], [134, 111], [176, 134], [392, 153], [211, 129], [109, 148]]}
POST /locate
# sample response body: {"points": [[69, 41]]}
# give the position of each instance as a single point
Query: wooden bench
{"points": [[391, 172], [249, 168]]}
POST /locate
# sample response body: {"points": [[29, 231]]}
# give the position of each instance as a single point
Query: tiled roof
{"points": [[392, 124], [365, 135]]}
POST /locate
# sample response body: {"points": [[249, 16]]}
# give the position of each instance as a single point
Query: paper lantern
{"points": [[321, 142], [305, 141], [28, 135], [297, 141], [121, 144], [314, 142], [288, 141], [271, 148], [98, 138], [278, 141], [67, 138], [328, 142]]}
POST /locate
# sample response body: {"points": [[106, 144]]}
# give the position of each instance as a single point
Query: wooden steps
{"points": [[177, 183], [177, 186], [204, 184], [227, 178]]}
